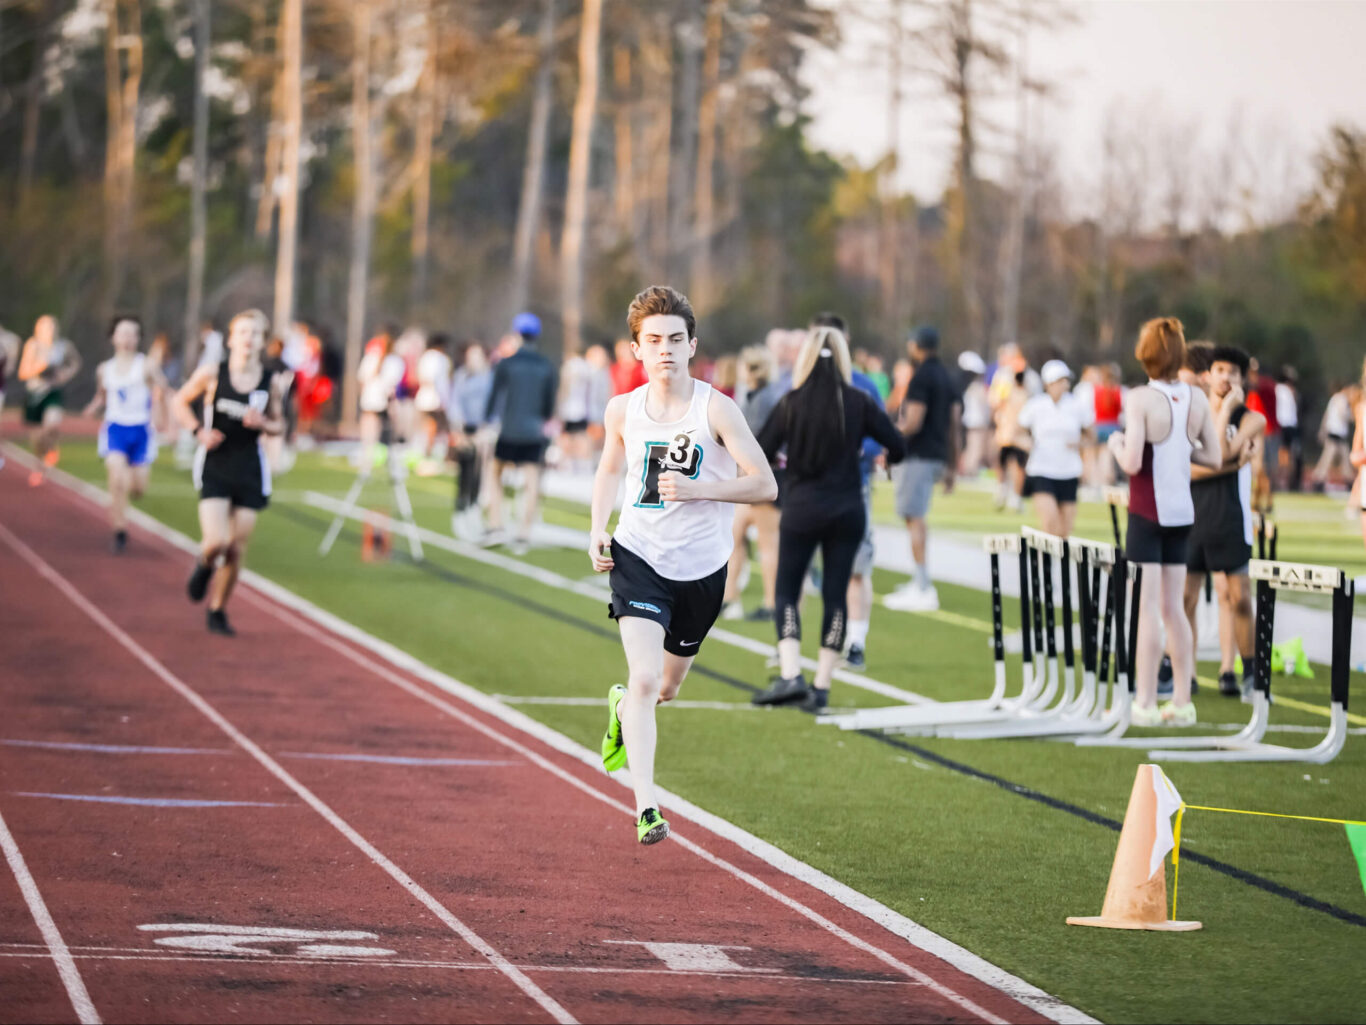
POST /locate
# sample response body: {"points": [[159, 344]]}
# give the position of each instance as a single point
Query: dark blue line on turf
{"points": [[115, 749], [152, 802], [1019, 789]]}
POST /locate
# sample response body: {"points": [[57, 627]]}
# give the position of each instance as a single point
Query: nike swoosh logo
{"points": [[688, 644]]}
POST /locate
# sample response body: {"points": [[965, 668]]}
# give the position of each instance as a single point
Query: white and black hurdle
{"points": [[1273, 576], [1050, 701]]}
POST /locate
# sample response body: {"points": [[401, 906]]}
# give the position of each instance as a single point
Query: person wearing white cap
{"points": [[976, 414], [1057, 422]]}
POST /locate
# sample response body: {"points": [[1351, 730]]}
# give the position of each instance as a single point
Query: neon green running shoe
{"points": [[652, 826], [613, 746]]}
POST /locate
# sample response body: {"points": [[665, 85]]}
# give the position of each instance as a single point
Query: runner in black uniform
{"points": [[1221, 536], [242, 402]]}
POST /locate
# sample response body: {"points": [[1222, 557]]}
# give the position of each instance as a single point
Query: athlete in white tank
{"points": [[1163, 421], [688, 458], [128, 387]]}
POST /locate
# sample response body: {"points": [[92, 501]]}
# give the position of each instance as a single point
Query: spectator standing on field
{"points": [[929, 420], [521, 400], [1059, 424], [628, 373], [469, 397], [433, 393], [1335, 435], [976, 414], [756, 370], [1288, 413]]}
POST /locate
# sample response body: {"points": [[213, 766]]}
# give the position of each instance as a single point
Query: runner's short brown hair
{"points": [[1161, 347], [659, 300]]}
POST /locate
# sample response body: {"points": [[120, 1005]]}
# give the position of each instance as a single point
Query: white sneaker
{"points": [[733, 610], [910, 598], [493, 538], [1149, 716]]}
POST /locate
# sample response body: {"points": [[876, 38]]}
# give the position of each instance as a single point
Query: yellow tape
{"points": [[1176, 834], [1303, 706], [1276, 815]]}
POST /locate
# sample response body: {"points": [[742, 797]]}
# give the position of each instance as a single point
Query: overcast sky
{"points": [[1290, 67]]}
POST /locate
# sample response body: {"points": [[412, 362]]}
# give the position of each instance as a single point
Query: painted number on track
{"points": [[695, 957], [209, 938]]}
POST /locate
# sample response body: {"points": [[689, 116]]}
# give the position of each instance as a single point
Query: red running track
{"points": [[285, 827]]}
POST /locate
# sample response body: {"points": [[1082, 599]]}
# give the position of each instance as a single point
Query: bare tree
{"points": [[33, 101], [682, 158], [363, 206], [704, 194], [889, 237], [123, 34], [425, 131], [198, 222], [572, 254], [292, 46], [533, 174]]}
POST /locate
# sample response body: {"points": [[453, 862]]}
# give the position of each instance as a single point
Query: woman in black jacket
{"points": [[822, 422]]}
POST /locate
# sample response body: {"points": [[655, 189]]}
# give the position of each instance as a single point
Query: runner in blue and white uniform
{"points": [[688, 457], [128, 387]]}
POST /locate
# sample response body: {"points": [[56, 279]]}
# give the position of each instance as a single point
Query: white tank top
{"points": [[680, 540], [127, 399], [1171, 459]]}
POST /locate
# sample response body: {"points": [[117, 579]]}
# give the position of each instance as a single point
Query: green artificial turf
{"points": [[927, 826]]}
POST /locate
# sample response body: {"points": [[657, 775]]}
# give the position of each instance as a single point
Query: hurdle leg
{"points": [[344, 513], [1069, 680]]}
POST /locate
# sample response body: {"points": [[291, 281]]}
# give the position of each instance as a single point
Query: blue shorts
{"points": [[136, 443]]}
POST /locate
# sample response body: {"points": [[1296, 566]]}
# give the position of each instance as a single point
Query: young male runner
{"points": [[243, 399], [129, 388], [1221, 537], [680, 443], [47, 365]]}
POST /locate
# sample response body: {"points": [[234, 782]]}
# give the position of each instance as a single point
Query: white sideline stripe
{"points": [[549, 578], [56, 946], [711, 706], [893, 921], [275, 769]]}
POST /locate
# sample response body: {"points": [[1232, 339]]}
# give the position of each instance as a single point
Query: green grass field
{"points": [[953, 834]]}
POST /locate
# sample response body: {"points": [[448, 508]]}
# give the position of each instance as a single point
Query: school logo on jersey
{"points": [[682, 455]]}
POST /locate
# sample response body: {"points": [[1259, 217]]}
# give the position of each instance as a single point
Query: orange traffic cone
{"points": [[1137, 898]]}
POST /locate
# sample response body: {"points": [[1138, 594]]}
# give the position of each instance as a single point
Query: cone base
{"points": [[1100, 921]]}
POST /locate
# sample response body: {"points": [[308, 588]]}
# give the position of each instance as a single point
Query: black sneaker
{"points": [[760, 615], [198, 584], [217, 623], [120, 542], [853, 658], [1228, 685], [1165, 688], [815, 701], [786, 690], [1195, 686]]}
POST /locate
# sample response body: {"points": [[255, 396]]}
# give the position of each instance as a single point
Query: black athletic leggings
{"points": [[838, 540], [468, 469]]}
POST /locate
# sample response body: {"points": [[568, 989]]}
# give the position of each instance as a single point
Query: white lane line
{"points": [[960, 958], [395, 759], [818, 919], [91, 954], [116, 749], [275, 769], [550, 578], [56, 946]]}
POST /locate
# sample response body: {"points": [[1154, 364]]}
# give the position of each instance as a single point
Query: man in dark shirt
{"points": [[929, 419], [521, 399]]}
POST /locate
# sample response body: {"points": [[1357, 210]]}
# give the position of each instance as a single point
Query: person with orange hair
{"points": [[1168, 426]]}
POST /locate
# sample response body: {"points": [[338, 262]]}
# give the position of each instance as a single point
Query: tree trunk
{"points": [[270, 166], [889, 241], [533, 174], [624, 191], [362, 210], [1013, 250], [33, 106], [425, 131], [704, 195], [659, 69], [194, 299], [292, 45], [683, 153], [122, 87], [576, 198], [964, 49]]}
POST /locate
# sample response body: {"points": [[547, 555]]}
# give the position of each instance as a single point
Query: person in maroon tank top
{"points": [[1168, 426]]}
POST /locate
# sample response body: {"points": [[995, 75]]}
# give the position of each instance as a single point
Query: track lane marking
{"points": [[52, 938], [514, 974], [81, 493]]}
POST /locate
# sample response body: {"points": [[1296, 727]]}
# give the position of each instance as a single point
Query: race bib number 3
{"points": [[681, 455]]}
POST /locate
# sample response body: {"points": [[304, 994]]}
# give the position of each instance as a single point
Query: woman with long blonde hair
{"points": [[821, 423]]}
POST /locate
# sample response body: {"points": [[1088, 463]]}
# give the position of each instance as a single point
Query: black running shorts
{"points": [[1148, 541], [1063, 491], [686, 609], [519, 453]]}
